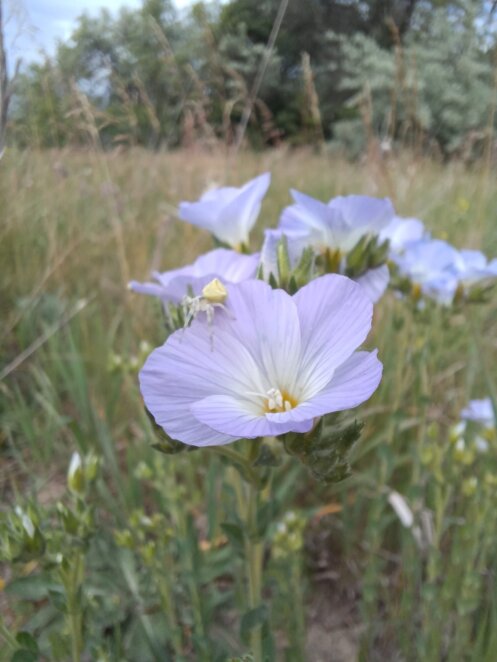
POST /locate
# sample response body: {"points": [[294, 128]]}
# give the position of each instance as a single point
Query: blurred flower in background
{"points": [[401, 231], [172, 286], [229, 213]]}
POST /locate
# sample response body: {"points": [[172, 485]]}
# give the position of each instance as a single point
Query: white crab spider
{"points": [[213, 296]]}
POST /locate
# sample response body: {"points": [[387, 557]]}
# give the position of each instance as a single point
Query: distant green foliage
{"points": [[416, 72], [439, 85]]}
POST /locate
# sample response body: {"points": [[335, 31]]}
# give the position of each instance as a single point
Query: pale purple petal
{"points": [[151, 289], [185, 285], [374, 282], [441, 288], [335, 318], [353, 383], [310, 221], [266, 321], [338, 225], [431, 264], [229, 266], [401, 231], [424, 259], [226, 414], [480, 411], [472, 267], [229, 213], [364, 211], [245, 208], [472, 259], [193, 364]]}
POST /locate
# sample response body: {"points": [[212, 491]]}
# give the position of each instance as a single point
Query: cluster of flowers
{"points": [[270, 340]]}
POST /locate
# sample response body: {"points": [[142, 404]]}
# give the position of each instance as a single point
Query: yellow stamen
{"points": [[279, 401]]}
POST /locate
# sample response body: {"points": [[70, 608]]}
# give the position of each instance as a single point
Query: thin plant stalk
{"points": [[73, 579], [254, 549]]}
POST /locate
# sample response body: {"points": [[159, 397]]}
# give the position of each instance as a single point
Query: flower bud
{"points": [[76, 474]]}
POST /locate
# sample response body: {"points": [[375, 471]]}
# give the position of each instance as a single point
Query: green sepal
{"points": [[367, 254], [292, 286], [283, 262], [356, 258], [267, 458], [378, 253], [164, 443], [272, 281], [303, 272], [325, 450]]}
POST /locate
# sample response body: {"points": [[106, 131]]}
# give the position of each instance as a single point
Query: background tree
{"points": [[161, 79], [6, 84]]}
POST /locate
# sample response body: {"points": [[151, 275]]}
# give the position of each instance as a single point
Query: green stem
{"points": [[254, 555], [164, 579], [480, 353], [74, 607], [298, 635], [237, 458], [8, 637]]}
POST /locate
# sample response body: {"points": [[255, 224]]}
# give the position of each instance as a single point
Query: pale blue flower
{"points": [[337, 225], [472, 267], [480, 411], [441, 271], [229, 213], [429, 264], [374, 282], [269, 364], [401, 231], [171, 286]]}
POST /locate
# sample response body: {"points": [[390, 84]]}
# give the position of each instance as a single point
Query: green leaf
{"points": [[36, 587], [27, 641], [60, 646], [58, 600], [24, 655], [252, 619], [235, 534]]}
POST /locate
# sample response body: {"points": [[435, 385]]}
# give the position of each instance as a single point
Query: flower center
{"points": [[278, 401]]}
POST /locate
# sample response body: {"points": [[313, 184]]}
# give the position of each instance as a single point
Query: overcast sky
{"points": [[33, 26]]}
